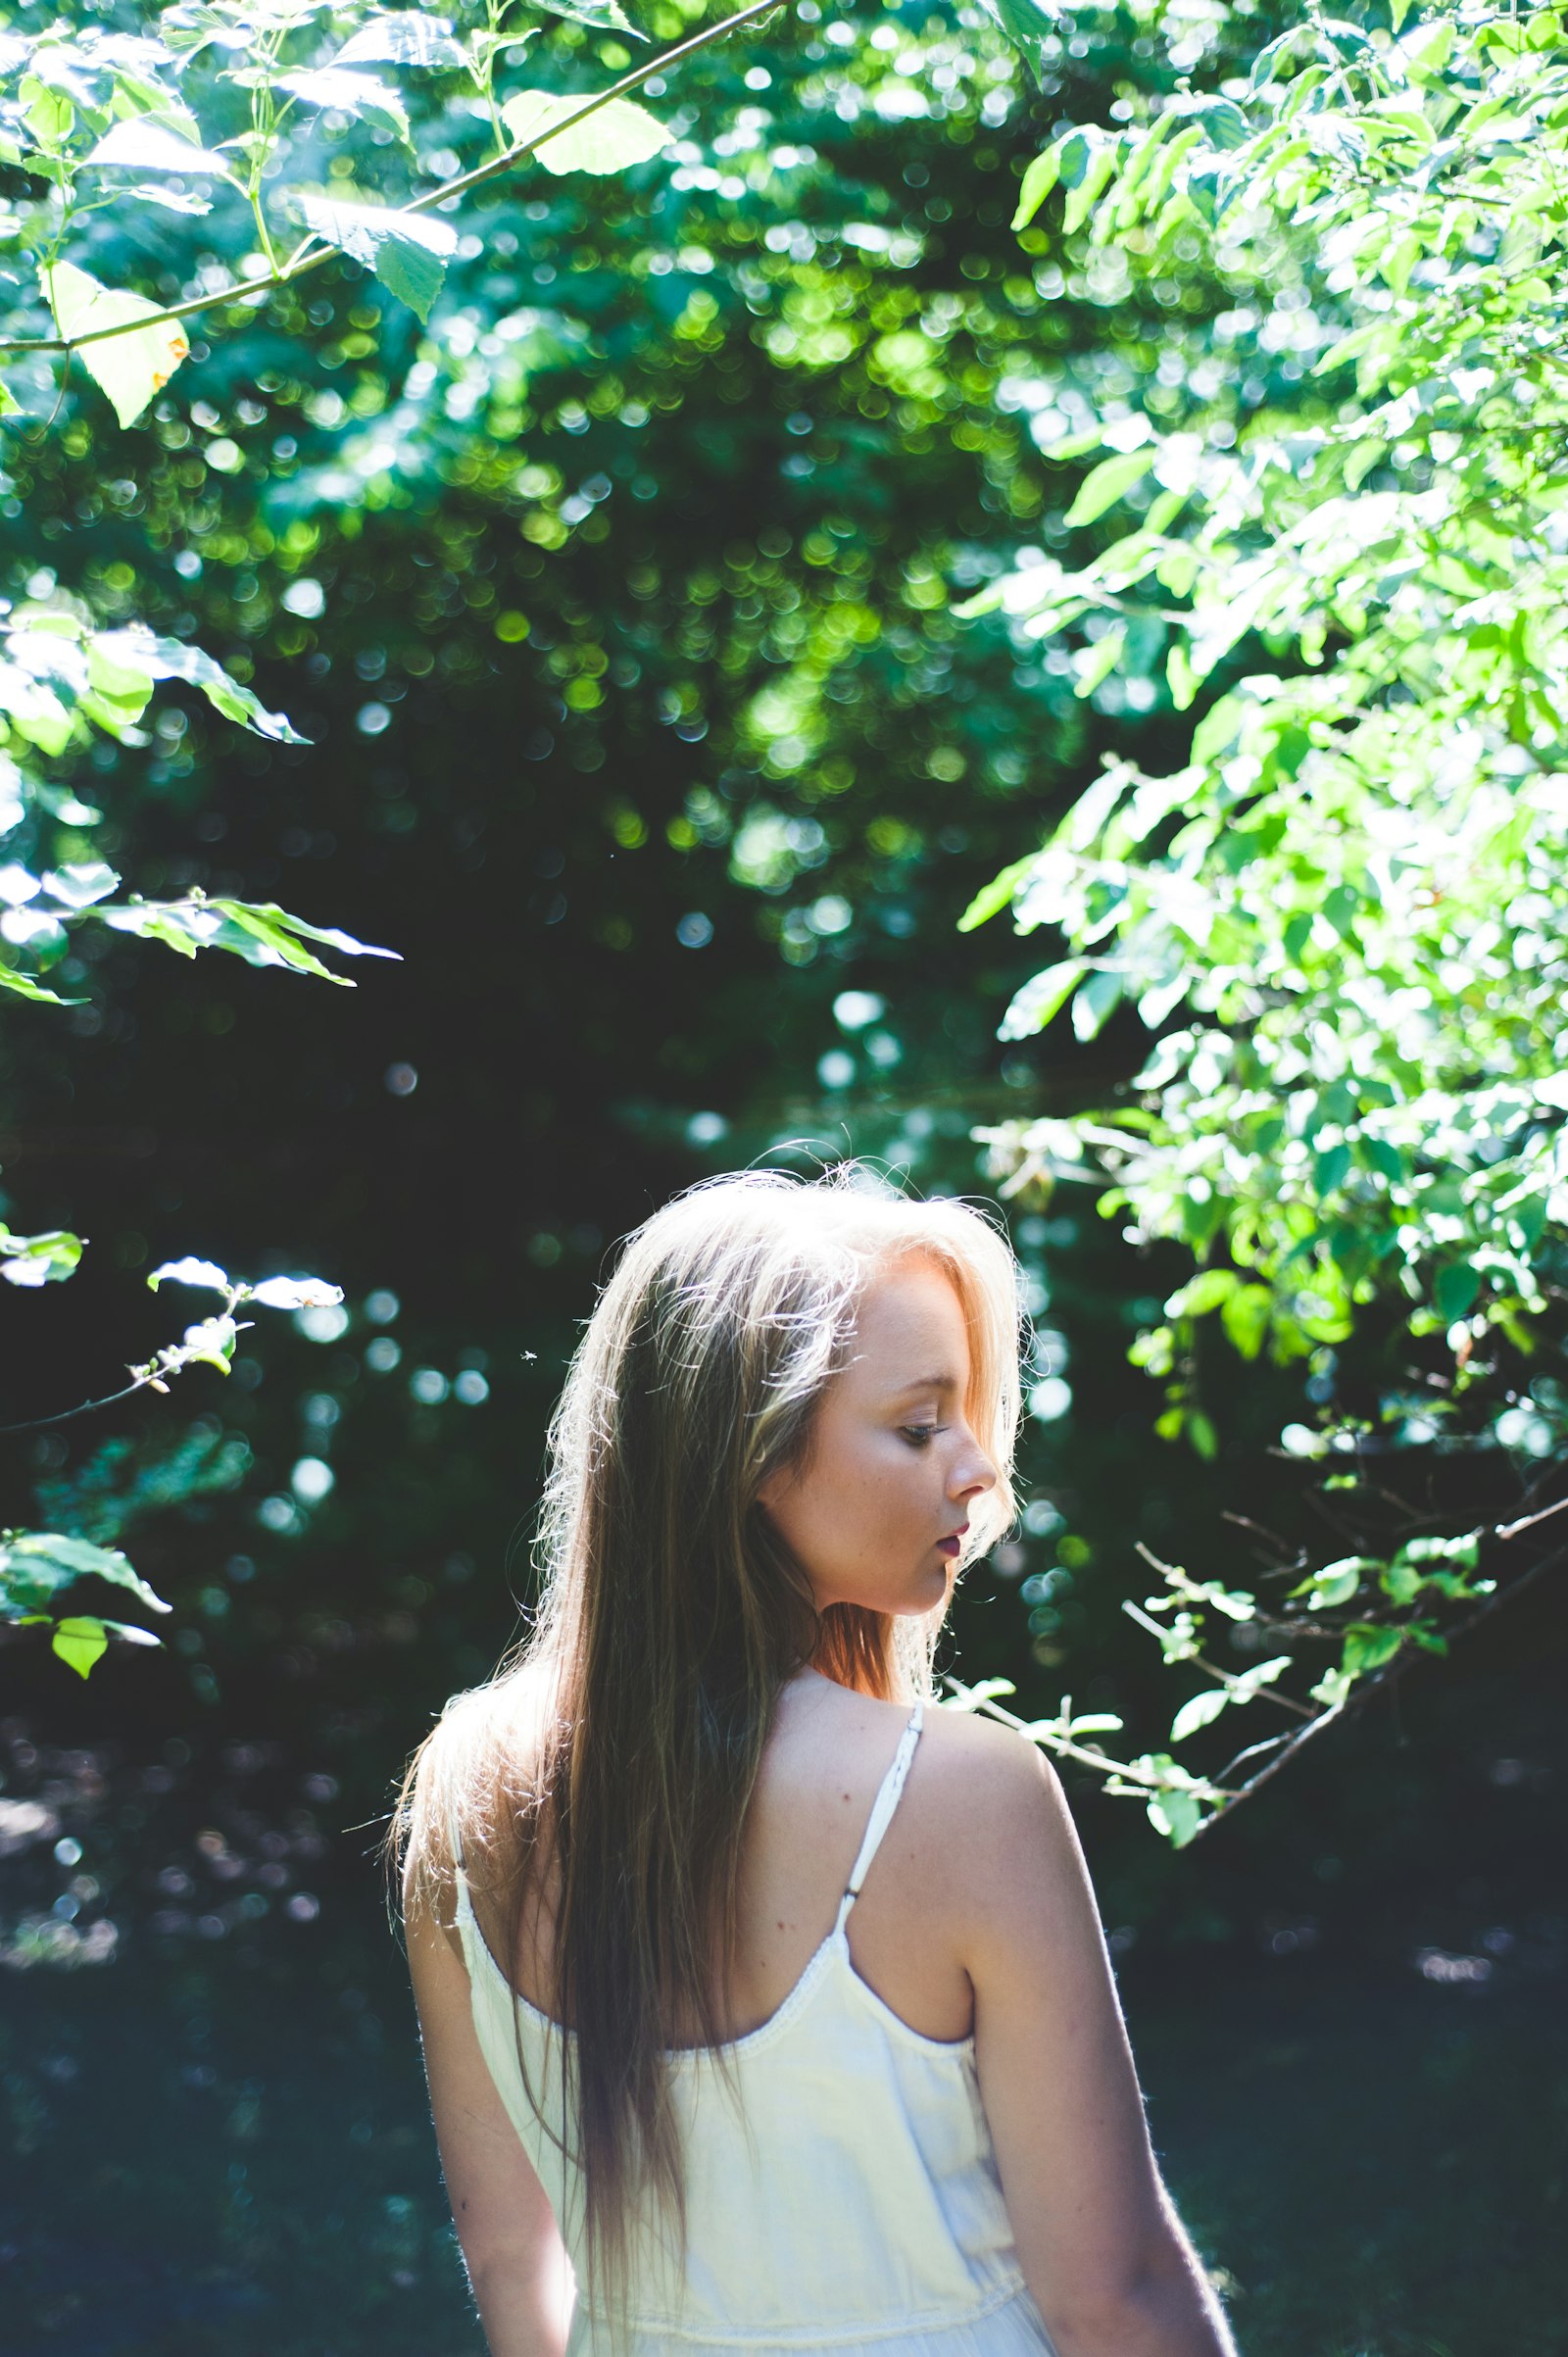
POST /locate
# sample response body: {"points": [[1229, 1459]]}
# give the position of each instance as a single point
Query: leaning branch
{"points": [[1378, 1683]]}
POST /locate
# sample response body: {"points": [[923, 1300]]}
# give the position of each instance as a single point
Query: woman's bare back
{"points": [[826, 1754]]}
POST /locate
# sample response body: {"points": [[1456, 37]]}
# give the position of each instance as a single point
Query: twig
{"points": [[1243, 1522], [88, 1409], [1041, 1732], [301, 261], [1528, 1522], [1367, 1687], [1211, 1669]]}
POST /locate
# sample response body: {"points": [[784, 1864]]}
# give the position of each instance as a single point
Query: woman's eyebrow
{"points": [[927, 1383]]}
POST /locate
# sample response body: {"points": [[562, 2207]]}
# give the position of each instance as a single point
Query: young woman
{"points": [[765, 2003]]}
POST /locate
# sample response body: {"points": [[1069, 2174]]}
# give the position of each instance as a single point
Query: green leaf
{"points": [[408, 252], [1177, 1815], [1332, 1690], [1465, 1550], [1093, 664], [1368, 1646], [151, 143], [79, 1643], [996, 896], [26, 987], [210, 1342], [1198, 1711], [273, 924], [1245, 1318], [1403, 1583], [190, 1271], [136, 648], [618, 134], [78, 883], [1337, 1582], [357, 94], [1042, 999], [1204, 1293], [1202, 1434], [130, 368], [35, 1564], [44, 1259], [606, 16], [1110, 481], [1029, 25], [1454, 1290], [1038, 182], [1095, 1002], [404, 36]]}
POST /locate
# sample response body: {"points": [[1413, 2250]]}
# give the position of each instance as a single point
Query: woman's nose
{"points": [[973, 1473]]}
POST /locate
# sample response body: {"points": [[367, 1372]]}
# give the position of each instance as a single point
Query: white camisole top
{"points": [[851, 2203]]}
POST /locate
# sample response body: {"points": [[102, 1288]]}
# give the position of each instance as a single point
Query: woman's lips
{"points": [[950, 1546]]}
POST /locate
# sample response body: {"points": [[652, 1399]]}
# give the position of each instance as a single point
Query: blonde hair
{"points": [[670, 1616]]}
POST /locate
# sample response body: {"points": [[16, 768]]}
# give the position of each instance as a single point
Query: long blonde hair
{"points": [[670, 1616]]}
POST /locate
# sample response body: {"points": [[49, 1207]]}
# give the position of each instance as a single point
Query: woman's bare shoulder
{"points": [[995, 1802]]}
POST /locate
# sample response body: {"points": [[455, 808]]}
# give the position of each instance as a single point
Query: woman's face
{"points": [[877, 1512]]}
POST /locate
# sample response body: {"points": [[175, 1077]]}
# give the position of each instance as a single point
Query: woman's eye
{"points": [[918, 1435]]}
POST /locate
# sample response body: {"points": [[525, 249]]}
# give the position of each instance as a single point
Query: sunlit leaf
{"points": [[1198, 1711], [405, 37], [136, 648], [129, 367], [1110, 481], [614, 137], [191, 1271], [407, 251], [43, 1259], [294, 1292], [148, 143], [1042, 999], [606, 16], [354, 93], [79, 1643], [35, 1564]]}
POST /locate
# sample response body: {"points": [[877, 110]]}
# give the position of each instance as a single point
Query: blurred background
{"points": [[615, 607]]}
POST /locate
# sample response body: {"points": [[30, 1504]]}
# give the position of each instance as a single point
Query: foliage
{"points": [[89, 102], [1343, 915], [36, 1565], [786, 311], [204, 105]]}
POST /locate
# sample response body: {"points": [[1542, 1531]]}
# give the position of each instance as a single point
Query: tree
{"points": [[1342, 915]]}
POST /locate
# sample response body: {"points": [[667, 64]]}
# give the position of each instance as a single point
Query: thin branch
{"points": [[1377, 1683], [1528, 1522], [88, 1409], [1270, 1742], [1211, 1669], [240, 290], [173, 1359], [1042, 1732], [1243, 1522]]}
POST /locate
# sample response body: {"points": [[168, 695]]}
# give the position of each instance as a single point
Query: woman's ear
{"points": [[773, 1489]]}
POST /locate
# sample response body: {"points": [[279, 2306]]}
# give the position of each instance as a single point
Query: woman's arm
{"points": [[512, 2247], [1100, 2245]]}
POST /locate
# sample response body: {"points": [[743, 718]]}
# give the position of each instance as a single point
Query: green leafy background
{"points": [[654, 604]]}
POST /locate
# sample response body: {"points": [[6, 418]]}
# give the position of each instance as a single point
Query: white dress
{"points": [[852, 2203]]}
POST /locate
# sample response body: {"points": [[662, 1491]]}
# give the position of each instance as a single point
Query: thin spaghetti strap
{"points": [[882, 1808]]}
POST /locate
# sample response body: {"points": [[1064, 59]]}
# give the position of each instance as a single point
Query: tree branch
{"points": [[1379, 1683], [301, 260]]}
